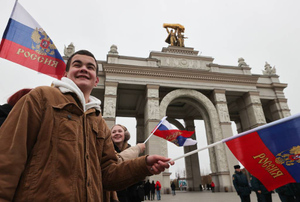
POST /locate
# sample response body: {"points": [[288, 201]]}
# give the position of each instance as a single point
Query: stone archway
{"points": [[145, 87], [203, 105]]}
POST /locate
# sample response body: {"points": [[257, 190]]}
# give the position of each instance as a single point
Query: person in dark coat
{"points": [[4, 111], [173, 188], [147, 190], [11, 101], [285, 193], [241, 184], [296, 191], [262, 194], [152, 190], [136, 192]]}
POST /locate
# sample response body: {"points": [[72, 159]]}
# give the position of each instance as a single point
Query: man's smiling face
{"points": [[83, 72]]}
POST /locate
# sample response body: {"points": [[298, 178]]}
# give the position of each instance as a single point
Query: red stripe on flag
{"points": [[259, 161], [31, 59], [173, 134]]}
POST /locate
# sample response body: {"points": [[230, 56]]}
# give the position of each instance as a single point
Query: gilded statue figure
{"points": [[175, 35]]}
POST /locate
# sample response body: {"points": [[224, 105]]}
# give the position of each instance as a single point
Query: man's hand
{"points": [[157, 164]]}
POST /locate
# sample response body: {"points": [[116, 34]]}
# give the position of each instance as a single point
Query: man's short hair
{"points": [[81, 52], [237, 167]]}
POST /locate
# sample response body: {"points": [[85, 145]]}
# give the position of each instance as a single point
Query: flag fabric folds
{"points": [[271, 152], [26, 43], [178, 137]]}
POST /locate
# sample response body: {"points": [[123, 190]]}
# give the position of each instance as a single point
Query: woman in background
{"points": [[120, 136]]}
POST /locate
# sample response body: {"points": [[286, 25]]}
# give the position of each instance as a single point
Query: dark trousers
{"points": [[267, 197], [152, 196], [245, 198], [286, 198], [264, 197], [297, 199]]}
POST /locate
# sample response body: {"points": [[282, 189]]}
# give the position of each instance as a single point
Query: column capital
{"points": [[152, 91], [150, 86], [220, 91], [110, 83], [111, 88], [250, 93]]}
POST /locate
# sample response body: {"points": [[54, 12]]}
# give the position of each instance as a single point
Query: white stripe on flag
{"points": [[189, 142]]}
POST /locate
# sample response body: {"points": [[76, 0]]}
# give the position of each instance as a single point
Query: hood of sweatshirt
{"points": [[66, 85]]}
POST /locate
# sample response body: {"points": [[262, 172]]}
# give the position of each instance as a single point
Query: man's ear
{"points": [[65, 74], [97, 81]]}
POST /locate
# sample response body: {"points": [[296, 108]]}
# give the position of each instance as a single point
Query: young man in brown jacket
{"points": [[55, 145]]}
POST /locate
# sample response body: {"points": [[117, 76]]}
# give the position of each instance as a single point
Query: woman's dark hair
{"points": [[12, 100]]}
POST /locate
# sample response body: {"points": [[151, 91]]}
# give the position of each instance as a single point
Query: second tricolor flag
{"points": [[178, 137]]}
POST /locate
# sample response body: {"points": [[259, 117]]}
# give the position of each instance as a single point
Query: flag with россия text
{"points": [[26, 43], [270, 152]]}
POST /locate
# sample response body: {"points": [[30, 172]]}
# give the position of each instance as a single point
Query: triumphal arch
{"points": [[179, 83]]}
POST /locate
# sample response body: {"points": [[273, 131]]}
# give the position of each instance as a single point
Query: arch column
{"points": [[192, 162], [251, 111], [155, 145], [140, 135], [220, 102], [279, 109], [110, 103]]}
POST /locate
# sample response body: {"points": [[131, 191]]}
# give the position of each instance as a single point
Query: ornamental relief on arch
{"points": [[109, 107], [110, 90], [220, 97], [259, 114], [153, 109], [152, 93], [284, 106], [255, 100], [286, 113], [182, 63], [223, 112]]}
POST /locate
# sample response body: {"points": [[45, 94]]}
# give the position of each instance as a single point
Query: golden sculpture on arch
{"points": [[175, 35]]}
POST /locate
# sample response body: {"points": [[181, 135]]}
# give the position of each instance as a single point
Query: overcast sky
{"points": [[258, 31]]}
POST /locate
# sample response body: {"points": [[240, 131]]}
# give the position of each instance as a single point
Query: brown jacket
{"points": [[50, 150]]}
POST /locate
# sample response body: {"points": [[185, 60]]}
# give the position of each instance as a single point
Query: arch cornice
{"points": [[116, 69]]}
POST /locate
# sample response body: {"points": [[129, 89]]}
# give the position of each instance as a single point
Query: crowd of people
{"points": [[287, 193]]}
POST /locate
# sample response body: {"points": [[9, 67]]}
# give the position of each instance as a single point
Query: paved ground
{"points": [[207, 196]]}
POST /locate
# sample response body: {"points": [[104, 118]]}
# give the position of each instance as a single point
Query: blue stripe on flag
{"points": [[21, 34], [282, 139], [163, 127]]}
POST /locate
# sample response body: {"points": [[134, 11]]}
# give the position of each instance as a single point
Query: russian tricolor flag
{"points": [[26, 43], [178, 137], [271, 152]]}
